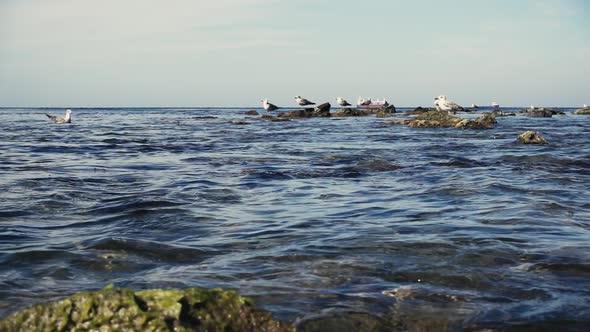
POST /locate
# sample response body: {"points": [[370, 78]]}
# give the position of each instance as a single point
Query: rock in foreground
{"points": [[531, 137], [115, 309]]}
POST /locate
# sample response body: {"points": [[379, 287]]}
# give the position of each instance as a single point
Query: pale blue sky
{"points": [[236, 52]]}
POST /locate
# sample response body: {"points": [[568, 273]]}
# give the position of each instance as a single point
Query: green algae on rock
{"points": [[434, 119], [438, 119], [117, 309]]}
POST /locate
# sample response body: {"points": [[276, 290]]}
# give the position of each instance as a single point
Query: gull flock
{"points": [[441, 102]]}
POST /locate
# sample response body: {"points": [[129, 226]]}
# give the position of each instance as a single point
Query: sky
{"points": [[106, 53]]}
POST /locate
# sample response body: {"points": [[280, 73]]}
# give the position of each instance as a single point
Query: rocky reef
{"points": [[437, 119], [323, 111], [117, 309]]}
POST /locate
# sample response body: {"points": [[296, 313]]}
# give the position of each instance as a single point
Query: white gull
{"points": [[57, 119]]}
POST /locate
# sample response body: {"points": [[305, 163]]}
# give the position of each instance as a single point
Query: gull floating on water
{"points": [[444, 104], [302, 101], [57, 119], [342, 102], [268, 106]]}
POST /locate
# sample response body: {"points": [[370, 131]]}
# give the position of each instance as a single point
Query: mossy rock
{"points": [[438, 119], [434, 119], [117, 309], [350, 112]]}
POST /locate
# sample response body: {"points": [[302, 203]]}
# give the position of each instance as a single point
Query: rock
{"points": [[438, 119], [302, 113], [117, 309], [531, 137], [350, 112], [484, 121], [539, 112], [582, 111], [251, 112], [420, 110], [383, 115], [384, 112], [434, 119], [322, 110], [498, 113]]}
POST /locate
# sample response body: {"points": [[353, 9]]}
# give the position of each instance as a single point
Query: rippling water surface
{"points": [[312, 218]]}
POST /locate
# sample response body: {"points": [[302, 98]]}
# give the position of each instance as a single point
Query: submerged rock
{"points": [[531, 137], [251, 112], [273, 119], [116, 309], [344, 321], [205, 117]]}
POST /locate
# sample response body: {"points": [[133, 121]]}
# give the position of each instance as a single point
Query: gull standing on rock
{"points": [[586, 106], [268, 106], [302, 101], [66, 119], [342, 102], [443, 104]]}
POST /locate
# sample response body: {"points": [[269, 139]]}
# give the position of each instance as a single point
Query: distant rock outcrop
{"points": [[582, 111]]}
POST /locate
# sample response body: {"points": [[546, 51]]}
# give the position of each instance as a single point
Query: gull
{"points": [[66, 119], [268, 106], [443, 104], [342, 102], [365, 102], [585, 106], [302, 101]]}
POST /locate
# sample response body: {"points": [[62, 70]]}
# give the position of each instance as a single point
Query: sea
{"points": [[322, 220]]}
